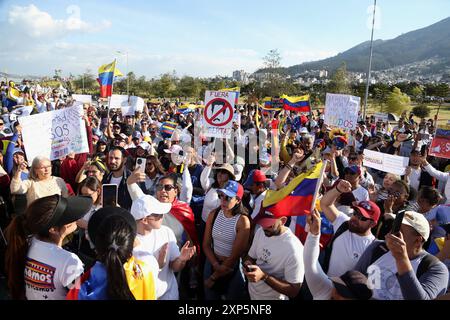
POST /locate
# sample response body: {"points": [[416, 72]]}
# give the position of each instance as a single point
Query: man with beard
{"points": [[351, 235], [274, 265], [118, 175]]}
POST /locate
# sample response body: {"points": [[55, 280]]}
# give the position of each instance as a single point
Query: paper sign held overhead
{"points": [[341, 110], [218, 113]]}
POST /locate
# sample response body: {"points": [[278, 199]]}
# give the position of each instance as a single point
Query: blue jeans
{"points": [[236, 290]]}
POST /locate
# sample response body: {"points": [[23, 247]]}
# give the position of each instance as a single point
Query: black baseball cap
{"points": [[103, 214], [352, 285], [68, 210]]}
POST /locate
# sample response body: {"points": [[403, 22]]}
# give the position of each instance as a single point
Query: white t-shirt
{"points": [[166, 284], [210, 203], [257, 204], [347, 248], [361, 194], [279, 256], [49, 270], [388, 287], [116, 181], [414, 178]]}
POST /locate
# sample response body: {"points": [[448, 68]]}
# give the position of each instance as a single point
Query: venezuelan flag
{"points": [[236, 90], [298, 104], [326, 228], [187, 108], [297, 197], [167, 129], [106, 74]]}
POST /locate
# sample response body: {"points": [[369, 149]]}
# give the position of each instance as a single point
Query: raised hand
{"points": [[344, 186]]}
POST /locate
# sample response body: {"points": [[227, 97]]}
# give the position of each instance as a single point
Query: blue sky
{"points": [[194, 37]]}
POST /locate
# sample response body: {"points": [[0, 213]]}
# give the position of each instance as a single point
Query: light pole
{"points": [[370, 61], [128, 80]]}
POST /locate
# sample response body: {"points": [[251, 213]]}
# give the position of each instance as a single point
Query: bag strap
{"points": [[427, 262], [329, 248]]}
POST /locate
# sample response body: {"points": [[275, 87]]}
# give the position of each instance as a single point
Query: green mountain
{"points": [[432, 42]]}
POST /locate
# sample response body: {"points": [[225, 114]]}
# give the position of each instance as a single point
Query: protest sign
{"points": [[440, 146], [137, 103], [127, 111], [341, 110], [84, 98], [22, 111], [381, 117], [385, 162], [54, 134], [118, 101], [218, 113]]}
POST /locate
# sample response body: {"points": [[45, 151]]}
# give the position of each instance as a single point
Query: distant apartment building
{"points": [[241, 76]]}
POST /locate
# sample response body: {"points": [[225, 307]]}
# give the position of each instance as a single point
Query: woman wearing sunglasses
{"points": [[225, 241]]}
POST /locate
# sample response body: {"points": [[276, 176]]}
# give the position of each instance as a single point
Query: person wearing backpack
{"points": [[399, 268], [351, 235]]}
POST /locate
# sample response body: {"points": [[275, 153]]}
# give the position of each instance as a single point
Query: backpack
{"points": [[325, 263], [427, 262]]}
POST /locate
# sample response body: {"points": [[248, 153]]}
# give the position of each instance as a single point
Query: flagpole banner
{"points": [[85, 98], [218, 113], [341, 110], [385, 162], [54, 134], [118, 101]]}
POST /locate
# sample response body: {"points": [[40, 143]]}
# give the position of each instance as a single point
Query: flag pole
{"points": [[319, 183]]}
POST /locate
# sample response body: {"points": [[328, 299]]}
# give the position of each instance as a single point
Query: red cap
{"points": [[369, 209], [259, 176], [265, 219]]}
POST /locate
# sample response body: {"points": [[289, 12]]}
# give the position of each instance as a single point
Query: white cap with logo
{"points": [[147, 205]]}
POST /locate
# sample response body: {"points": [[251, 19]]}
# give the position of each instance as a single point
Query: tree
{"points": [[380, 94], [422, 111], [274, 84], [417, 93], [188, 87], [397, 102], [339, 81]]}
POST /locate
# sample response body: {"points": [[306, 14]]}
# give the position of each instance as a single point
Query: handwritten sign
{"points": [[218, 113], [341, 110], [385, 162], [54, 134]]}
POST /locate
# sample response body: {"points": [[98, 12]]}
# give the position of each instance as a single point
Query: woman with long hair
{"points": [[153, 172], [226, 240], [37, 266], [90, 187], [40, 184], [116, 275]]}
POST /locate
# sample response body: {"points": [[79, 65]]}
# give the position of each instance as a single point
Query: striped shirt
{"points": [[224, 234]]}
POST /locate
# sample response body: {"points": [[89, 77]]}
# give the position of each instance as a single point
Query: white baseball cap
{"points": [[176, 148], [418, 222], [147, 205], [303, 130]]}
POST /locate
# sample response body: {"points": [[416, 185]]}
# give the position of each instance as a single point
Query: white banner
{"points": [[22, 111], [381, 116], [127, 111], [54, 134], [85, 98], [137, 103], [341, 110], [218, 113], [118, 101], [385, 162]]}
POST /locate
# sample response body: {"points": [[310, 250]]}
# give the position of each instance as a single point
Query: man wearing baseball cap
{"points": [[351, 235], [400, 269], [256, 183], [274, 265], [160, 241]]}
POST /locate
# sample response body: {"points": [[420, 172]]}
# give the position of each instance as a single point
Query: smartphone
{"points": [[397, 222], [140, 163], [248, 268], [109, 195]]}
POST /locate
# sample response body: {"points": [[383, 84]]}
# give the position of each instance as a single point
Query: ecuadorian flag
{"points": [[106, 74], [297, 197], [167, 129], [298, 104]]}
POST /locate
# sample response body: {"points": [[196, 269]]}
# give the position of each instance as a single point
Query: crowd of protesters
{"points": [[191, 224]]}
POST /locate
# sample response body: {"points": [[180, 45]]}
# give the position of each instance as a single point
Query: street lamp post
{"points": [[370, 62], [128, 80]]}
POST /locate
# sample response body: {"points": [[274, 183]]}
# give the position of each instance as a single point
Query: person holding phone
{"points": [[118, 175], [399, 268], [274, 265]]}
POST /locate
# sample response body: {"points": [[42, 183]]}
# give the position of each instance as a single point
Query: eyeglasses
{"points": [[46, 167], [223, 196], [166, 187], [1, 123]]}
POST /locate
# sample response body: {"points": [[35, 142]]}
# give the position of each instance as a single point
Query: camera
{"points": [[139, 161], [181, 153]]}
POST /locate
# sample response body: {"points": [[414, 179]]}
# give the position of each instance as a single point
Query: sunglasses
{"points": [[223, 196], [1, 123], [395, 194], [360, 217], [166, 187]]}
